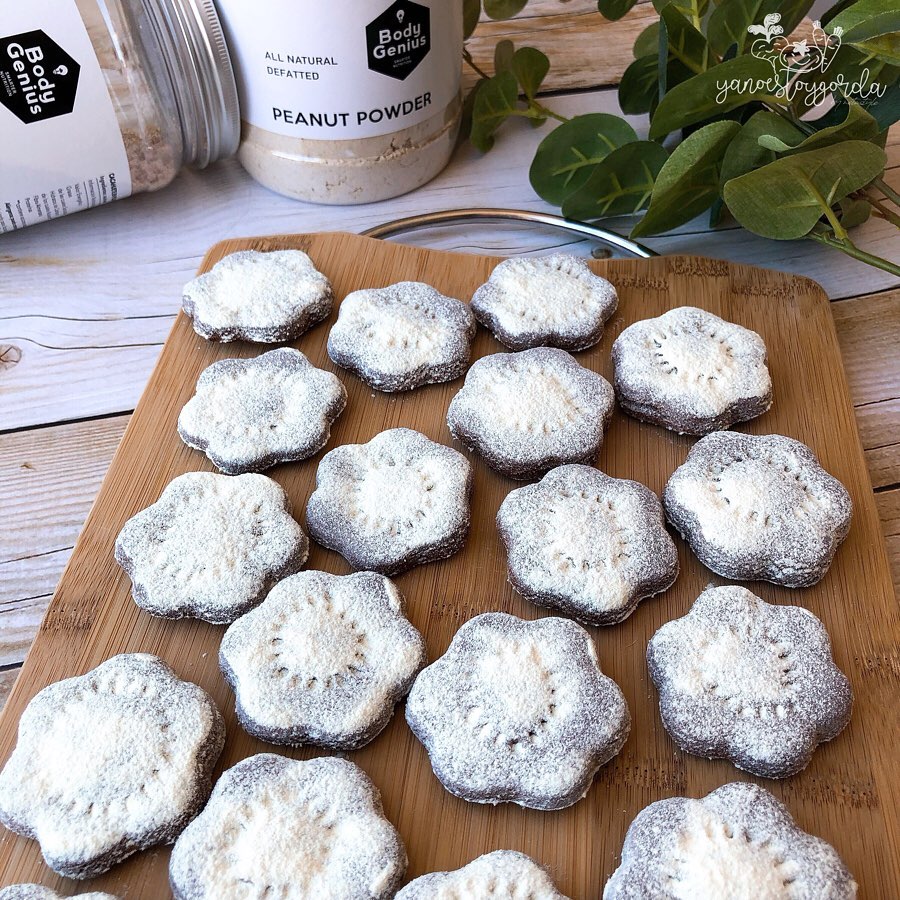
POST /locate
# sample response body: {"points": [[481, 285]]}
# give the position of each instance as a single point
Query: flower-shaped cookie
{"points": [[322, 660], [278, 827], [396, 502], [528, 412], [503, 874], [758, 508], [109, 763], [552, 301], [211, 546], [751, 682], [587, 544], [263, 297], [39, 892], [402, 336], [250, 414], [518, 711], [691, 371], [738, 842]]}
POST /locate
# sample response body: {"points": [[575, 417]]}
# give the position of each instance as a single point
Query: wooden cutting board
{"points": [[849, 793]]}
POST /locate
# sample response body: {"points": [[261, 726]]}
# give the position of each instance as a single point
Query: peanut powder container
{"points": [[346, 101]]}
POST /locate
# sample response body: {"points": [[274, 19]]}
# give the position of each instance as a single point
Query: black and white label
{"points": [[346, 69], [62, 147]]}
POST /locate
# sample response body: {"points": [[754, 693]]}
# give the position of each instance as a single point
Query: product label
{"points": [[346, 69], [62, 147]]}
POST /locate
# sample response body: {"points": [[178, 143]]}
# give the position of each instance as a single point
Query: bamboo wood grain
{"points": [[849, 793]]}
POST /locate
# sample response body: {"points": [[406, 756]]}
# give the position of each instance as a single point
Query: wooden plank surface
{"points": [[848, 795]]}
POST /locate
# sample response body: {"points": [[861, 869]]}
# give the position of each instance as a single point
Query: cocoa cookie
{"points": [[527, 412], [552, 301], [402, 336], [758, 508], [518, 712], [737, 842], [744, 680], [399, 501], [109, 763], [262, 297], [501, 875], [211, 547], [39, 892], [691, 372], [278, 827], [250, 414], [586, 544], [323, 660]]}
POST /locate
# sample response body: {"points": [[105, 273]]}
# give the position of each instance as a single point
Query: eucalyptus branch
{"points": [[887, 190], [474, 65], [847, 246], [881, 210]]}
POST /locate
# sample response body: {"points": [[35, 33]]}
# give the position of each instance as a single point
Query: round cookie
{"points": [[323, 660], [39, 892], [518, 712], [109, 763], [396, 502], [738, 842], [211, 547], [527, 412], [402, 336], [758, 508], [267, 298], [587, 544], [501, 875], [691, 372], [553, 301], [290, 829], [250, 414], [744, 680]]}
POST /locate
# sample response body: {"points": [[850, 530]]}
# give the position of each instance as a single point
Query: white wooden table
{"points": [[86, 303]]}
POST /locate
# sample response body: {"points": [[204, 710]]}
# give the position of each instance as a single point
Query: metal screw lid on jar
{"points": [[202, 77]]}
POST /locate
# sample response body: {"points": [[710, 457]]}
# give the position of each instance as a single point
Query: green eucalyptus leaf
{"points": [[566, 157], [503, 9], [614, 9], [689, 181], [786, 198], [638, 88], [685, 43], [854, 212], [620, 185], [729, 21], [471, 15], [692, 10], [494, 103], [858, 125], [746, 153], [503, 56], [873, 27], [886, 110], [647, 41], [773, 143], [719, 90], [530, 67]]}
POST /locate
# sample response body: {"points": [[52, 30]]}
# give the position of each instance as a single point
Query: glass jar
{"points": [[346, 102], [107, 98]]}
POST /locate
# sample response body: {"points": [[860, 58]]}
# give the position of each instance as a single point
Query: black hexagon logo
{"points": [[399, 39], [38, 79]]}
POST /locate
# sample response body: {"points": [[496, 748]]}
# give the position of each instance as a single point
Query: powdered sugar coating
{"points": [[737, 842], [402, 336], [587, 544], [758, 508], [754, 683], [263, 297], [396, 502], [692, 372], [518, 711], [277, 827], [501, 875], [211, 546], [553, 301], [109, 763], [250, 414], [322, 660], [528, 412], [39, 892]]}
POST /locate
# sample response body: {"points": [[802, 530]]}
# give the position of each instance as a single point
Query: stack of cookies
{"points": [[514, 711]]}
